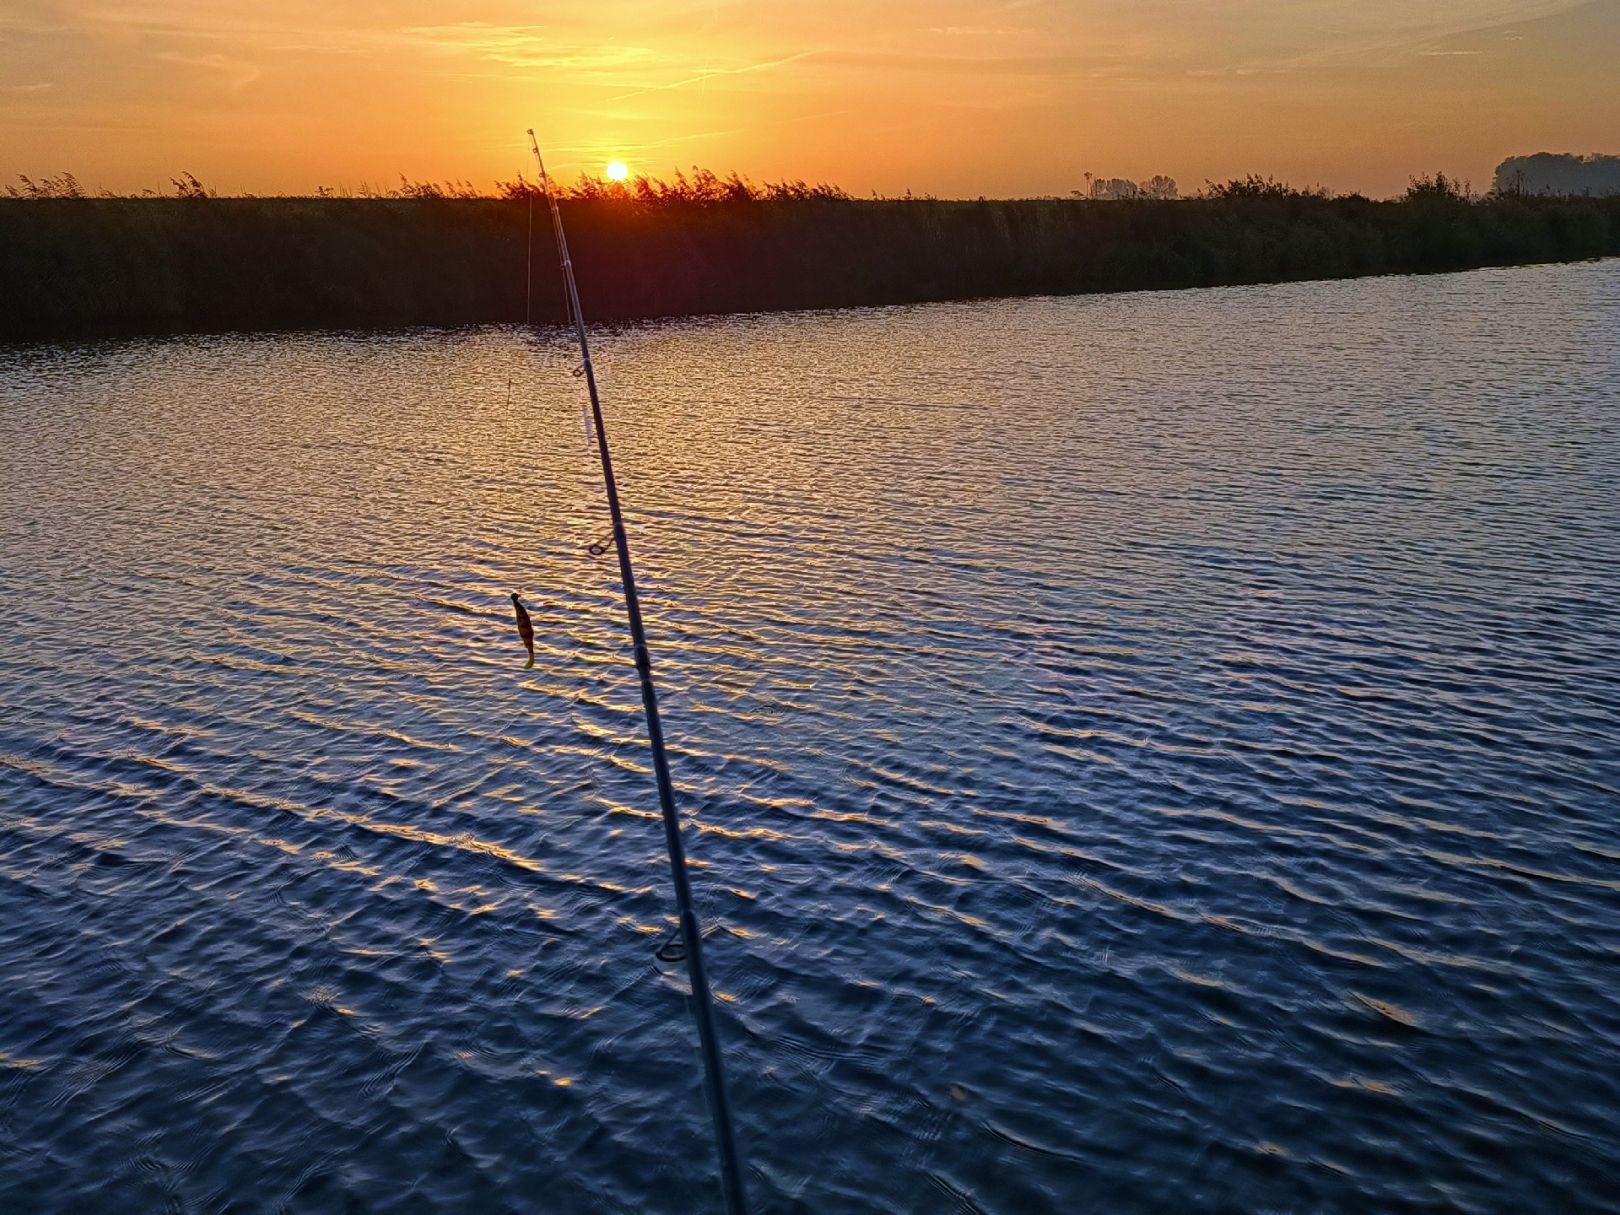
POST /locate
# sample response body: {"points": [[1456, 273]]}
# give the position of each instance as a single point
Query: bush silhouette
{"points": [[426, 253]]}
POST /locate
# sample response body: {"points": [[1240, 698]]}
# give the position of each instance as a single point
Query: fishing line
{"points": [[702, 1001], [528, 283], [579, 372]]}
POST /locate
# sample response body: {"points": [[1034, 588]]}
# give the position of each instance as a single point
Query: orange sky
{"points": [[949, 97]]}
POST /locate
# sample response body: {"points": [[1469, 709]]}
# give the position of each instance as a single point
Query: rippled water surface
{"points": [[1141, 753]]}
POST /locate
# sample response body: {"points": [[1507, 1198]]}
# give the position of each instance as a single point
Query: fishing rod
{"points": [[691, 934]]}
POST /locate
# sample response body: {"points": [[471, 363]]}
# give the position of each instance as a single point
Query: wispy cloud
{"points": [[974, 31], [1047, 63], [711, 73], [236, 74], [36, 19], [525, 46], [1329, 34]]}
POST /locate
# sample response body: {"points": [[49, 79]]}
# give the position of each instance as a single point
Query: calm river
{"points": [[1142, 753]]}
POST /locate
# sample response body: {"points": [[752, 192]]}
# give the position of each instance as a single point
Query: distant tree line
{"points": [[1559, 174], [1120, 189], [433, 254]]}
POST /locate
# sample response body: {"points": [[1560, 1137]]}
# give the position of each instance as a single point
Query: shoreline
{"points": [[592, 325]]}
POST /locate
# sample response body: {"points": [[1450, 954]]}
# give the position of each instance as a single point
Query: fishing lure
{"points": [[525, 628]]}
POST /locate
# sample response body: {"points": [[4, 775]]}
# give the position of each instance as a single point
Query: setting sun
{"points": [[617, 170]]}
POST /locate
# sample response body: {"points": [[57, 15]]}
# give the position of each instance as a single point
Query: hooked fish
{"points": [[525, 628]]}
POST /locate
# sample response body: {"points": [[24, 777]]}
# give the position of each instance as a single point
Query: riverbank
{"points": [[74, 268]]}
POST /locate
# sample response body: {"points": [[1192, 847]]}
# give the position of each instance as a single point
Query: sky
{"points": [[949, 97]]}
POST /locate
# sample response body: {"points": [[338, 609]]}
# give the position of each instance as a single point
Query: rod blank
{"points": [[691, 933]]}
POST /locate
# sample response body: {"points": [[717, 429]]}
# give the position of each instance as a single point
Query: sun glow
{"points": [[617, 170], [1320, 92]]}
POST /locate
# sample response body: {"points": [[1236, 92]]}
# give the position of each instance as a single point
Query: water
{"points": [[1142, 753]]}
